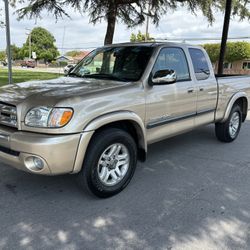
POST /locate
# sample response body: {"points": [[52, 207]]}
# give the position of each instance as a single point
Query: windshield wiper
{"points": [[107, 76]]}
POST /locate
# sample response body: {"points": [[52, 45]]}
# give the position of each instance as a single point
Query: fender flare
{"points": [[103, 120], [232, 101], [118, 117]]}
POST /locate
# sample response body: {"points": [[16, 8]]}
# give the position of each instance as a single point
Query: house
{"points": [[63, 58], [80, 56], [72, 59], [241, 67]]}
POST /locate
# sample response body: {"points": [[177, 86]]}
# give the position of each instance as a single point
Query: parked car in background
{"points": [[28, 63], [68, 68], [99, 120]]}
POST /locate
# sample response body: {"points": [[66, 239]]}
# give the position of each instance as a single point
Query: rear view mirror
{"points": [[162, 77]]}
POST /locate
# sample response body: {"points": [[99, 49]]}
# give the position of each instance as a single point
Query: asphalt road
{"points": [[192, 193], [45, 70]]}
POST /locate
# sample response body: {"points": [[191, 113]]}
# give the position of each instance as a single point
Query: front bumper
{"points": [[59, 153]]}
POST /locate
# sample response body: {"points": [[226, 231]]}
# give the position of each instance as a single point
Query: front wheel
{"points": [[229, 130], [110, 163]]}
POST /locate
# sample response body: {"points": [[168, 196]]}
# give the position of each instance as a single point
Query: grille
{"points": [[8, 115]]}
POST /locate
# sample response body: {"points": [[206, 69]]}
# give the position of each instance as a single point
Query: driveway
{"points": [[192, 193]]}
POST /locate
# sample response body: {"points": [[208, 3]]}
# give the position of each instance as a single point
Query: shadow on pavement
{"points": [[192, 193]]}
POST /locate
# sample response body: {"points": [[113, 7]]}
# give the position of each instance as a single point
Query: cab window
{"points": [[201, 68], [173, 59]]}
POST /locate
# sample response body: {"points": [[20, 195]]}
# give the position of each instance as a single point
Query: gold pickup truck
{"points": [[99, 119]]}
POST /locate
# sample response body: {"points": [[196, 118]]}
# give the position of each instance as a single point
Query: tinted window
{"points": [[200, 64], [173, 59]]}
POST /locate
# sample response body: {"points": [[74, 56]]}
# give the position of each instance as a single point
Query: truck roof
{"points": [[149, 44]]}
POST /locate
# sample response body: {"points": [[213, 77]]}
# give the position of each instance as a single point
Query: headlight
{"points": [[46, 117]]}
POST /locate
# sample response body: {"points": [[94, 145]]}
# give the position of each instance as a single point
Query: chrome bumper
{"points": [[60, 153]]}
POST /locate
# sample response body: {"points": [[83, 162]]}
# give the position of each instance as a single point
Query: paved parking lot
{"points": [[192, 193]]}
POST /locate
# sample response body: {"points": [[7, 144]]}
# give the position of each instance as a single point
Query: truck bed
{"points": [[230, 75]]}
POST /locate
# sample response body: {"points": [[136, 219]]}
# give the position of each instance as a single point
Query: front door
{"points": [[171, 109]]}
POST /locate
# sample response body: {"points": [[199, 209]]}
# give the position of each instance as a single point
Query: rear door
{"points": [[206, 86]]}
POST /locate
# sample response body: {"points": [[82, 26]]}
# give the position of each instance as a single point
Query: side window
{"points": [[246, 65], [201, 68], [173, 59]]}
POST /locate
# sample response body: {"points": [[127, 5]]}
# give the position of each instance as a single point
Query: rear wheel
{"points": [[109, 164], [229, 130]]}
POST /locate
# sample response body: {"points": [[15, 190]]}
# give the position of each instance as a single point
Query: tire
{"points": [[229, 130], [98, 165]]}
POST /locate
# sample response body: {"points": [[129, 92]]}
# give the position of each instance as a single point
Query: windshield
{"points": [[116, 63]]}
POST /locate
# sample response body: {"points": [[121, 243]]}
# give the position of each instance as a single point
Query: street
{"points": [[45, 70], [42, 70], [192, 193]]}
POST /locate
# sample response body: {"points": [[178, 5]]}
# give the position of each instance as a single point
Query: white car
{"points": [[68, 68]]}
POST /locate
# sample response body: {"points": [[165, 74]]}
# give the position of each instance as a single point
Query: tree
{"points": [[15, 52], [140, 37], [213, 51], [1, 21], [130, 12], [43, 43], [133, 37], [2, 56], [236, 51], [73, 53]]}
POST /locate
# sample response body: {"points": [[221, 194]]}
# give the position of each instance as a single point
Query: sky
{"points": [[80, 34]]}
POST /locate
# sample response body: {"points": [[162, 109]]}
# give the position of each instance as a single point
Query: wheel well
{"points": [[243, 103], [134, 130]]}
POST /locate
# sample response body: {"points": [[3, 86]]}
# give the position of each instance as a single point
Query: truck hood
{"points": [[57, 88]]}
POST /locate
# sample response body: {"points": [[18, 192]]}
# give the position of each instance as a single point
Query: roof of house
{"points": [[81, 55], [69, 58]]}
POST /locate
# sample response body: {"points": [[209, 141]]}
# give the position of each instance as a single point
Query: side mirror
{"points": [[162, 77]]}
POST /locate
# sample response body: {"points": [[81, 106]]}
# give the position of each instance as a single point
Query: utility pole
{"points": [[147, 26], [30, 46], [7, 23], [63, 38], [29, 34], [224, 36]]}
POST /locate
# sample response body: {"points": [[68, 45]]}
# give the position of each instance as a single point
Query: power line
{"points": [[74, 48], [163, 39], [202, 38], [172, 39]]}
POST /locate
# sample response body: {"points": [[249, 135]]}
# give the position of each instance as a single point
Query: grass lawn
{"points": [[23, 75]]}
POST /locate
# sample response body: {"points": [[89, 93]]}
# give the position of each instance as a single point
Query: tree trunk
{"points": [[111, 19], [224, 36]]}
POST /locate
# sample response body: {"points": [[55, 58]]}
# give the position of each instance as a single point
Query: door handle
{"points": [[190, 91], [201, 89]]}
